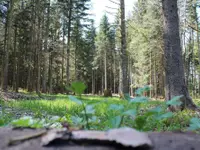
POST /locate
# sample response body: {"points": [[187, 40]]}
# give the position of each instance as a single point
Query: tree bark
{"points": [[175, 80], [124, 88], [7, 46], [45, 69], [68, 40], [105, 71], [15, 60], [50, 72], [93, 81]]}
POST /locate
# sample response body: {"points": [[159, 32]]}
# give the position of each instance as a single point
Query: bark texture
{"points": [[174, 69], [124, 86]]}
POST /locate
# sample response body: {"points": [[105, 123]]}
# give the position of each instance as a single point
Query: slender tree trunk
{"points": [[17, 75], [75, 59], [102, 83], [175, 80], [93, 82], [155, 79], [150, 73], [114, 76], [192, 63], [63, 55], [68, 41], [105, 71], [50, 72], [15, 59], [131, 77], [30, 69], [39, 46], [45, 65]]}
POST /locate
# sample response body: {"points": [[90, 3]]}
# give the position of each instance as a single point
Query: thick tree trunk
{"points": [[175, 80], [124, 58], [198, 42], [7, 46], [45, 65]]}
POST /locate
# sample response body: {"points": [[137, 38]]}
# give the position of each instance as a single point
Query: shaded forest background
{"points": [[45, 45]]}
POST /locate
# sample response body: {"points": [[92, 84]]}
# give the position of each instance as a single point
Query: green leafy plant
{"points": [[194, 124], [29, 121], [136, 112], [118, 112], [141, 118], [77, 87], [88, 110]]}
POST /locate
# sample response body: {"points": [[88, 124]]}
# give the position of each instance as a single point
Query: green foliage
{"points": [[100, 114], [175, 101], [194, 124], [116, 121], [5, 117], [142, 90], [49, 122], [77, 87], [88, 110], [76, 100]]}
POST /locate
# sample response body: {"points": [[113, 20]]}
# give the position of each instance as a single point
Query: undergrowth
{"points": [[98, 113]]}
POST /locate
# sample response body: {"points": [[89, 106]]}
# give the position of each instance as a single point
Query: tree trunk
{"points": [[45, 65], [124, 58], [198, 43], [150, 74], [114, 76], [131, 77], [7, 46], [39, 47], [50, 72], [15, 60], [155, 79], [105, 71], [93, 81], [175, 80], [63, 52], [68, 41]]}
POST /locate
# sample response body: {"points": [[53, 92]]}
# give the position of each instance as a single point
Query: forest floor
{"points": [[56, 109]]}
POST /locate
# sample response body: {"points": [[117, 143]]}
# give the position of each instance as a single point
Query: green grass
{"points": [[62, 106]]}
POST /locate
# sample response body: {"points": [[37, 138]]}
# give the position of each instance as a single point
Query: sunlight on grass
{"points": [[62, 106]]}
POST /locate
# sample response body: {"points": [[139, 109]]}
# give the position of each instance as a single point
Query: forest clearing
{"points": [[117, 72]]}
